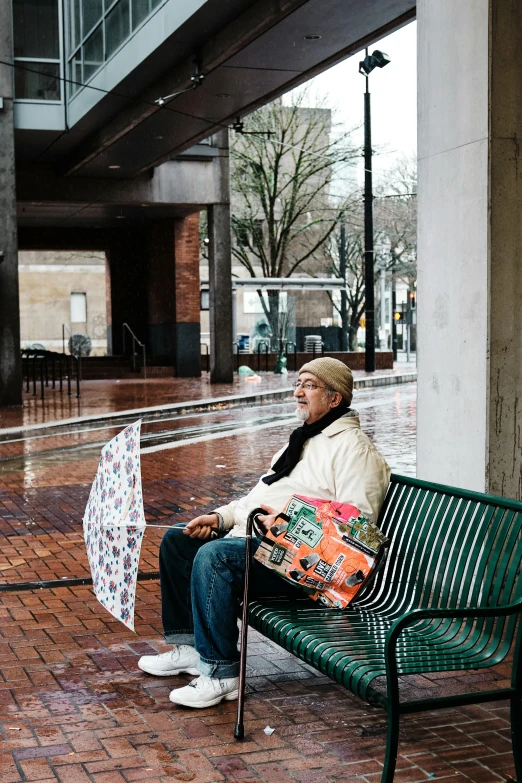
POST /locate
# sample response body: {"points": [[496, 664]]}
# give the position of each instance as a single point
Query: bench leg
{"points": [[392, 732], [392, 744], [516, 734]]}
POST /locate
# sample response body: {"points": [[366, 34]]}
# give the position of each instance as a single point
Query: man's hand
{"points": [[202, 527], [268, 519]]}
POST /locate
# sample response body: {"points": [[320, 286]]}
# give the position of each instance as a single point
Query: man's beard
{"points": [[302, 412]]}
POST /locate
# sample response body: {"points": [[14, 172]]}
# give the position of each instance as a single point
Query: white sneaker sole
{"points": [[202, 704], [169, 673]]}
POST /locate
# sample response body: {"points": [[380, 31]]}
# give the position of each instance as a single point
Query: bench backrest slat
{"points": [[448, 548]]}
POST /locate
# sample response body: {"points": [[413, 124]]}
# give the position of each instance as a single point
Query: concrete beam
{"points": [[10, 361], [183, 182]]}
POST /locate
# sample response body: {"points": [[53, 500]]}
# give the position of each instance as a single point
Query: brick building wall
{"points": [[186, 253]]}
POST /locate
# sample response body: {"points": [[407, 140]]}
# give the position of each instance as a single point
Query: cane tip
{"points": [[239, 731]]}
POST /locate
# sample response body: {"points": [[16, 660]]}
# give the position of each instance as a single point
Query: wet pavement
{"points": [[99, 398], [74, 706]]}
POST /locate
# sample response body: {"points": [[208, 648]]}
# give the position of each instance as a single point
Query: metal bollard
{"points": [[60, 370], [34, 375], [78, 372], [42, 386]]}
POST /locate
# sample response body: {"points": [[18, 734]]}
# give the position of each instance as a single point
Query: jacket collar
{"points": [[347, 422]]}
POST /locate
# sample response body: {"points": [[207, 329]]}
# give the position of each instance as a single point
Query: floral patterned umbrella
{"points": [[114, 524]]}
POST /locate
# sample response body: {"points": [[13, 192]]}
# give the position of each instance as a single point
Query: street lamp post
{"points": [[376, 60], [342, 274]]}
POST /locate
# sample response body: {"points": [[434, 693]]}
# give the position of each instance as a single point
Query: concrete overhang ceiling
{"points": [[253, 58]]}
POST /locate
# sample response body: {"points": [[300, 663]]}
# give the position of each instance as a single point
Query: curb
{"points": [[117, 417], [385, 380]]}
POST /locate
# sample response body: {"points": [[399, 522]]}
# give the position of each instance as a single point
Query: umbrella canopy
{"points": [[114, 524]]}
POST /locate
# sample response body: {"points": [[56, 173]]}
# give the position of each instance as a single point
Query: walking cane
{"points": [[239, 731]]}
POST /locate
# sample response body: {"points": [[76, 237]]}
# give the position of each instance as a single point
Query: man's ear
{"points": [[337, 399]]}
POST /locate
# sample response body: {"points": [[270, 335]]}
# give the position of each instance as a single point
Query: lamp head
{"points": [[381, 59], [366, 66], [376, 60]]}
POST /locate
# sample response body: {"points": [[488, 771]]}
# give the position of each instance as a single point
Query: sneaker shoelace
{"points": [[202, 681]]}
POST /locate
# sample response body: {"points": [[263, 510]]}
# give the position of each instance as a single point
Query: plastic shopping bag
{"points": [[328, 548]]}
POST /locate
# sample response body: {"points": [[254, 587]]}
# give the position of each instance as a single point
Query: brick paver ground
{"points": [[74, 708]]}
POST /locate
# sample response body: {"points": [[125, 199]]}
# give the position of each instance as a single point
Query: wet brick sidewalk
{"points": [[100, 397], [74, 708]]}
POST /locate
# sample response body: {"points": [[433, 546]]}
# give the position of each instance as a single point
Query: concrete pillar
{"points": [[10, 362], [470, 244], [220, 281]]}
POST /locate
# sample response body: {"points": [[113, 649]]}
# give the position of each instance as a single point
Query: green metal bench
{"points": [[448, 598]]}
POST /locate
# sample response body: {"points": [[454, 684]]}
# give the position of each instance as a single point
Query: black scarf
{"points": [[292, 454]]}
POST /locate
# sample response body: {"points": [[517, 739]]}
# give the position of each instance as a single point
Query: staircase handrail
{"points": [[142, 346]]}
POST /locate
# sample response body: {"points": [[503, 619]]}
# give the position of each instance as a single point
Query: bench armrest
{"points": [[413, 616]]}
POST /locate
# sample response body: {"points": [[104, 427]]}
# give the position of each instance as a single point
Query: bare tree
{"points": [[396, 223], [395, 217], [280, 176], [354, 255]]}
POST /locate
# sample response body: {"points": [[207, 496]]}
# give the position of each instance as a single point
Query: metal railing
{"points": [[263, 350], [266, 346], [294, 353], [134, 341], [40, 365], [206, 355]]}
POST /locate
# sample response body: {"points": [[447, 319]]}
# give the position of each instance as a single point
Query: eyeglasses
{"points": [[308, 385]]}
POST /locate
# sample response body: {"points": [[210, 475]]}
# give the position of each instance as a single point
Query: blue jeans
{"points": [[201, 587]]}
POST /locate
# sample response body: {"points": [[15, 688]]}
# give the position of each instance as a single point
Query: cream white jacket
{"points": [[340, 463]]}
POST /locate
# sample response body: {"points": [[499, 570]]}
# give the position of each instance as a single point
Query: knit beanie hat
{"points": [[334, 374]]}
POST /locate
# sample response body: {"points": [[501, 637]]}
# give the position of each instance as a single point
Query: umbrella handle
{"points": [[239, 731]]}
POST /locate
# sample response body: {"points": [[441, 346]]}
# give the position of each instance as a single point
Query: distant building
{"points": [[62, 293]]}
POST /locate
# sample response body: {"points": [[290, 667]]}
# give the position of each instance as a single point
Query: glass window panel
{"points": [[154, 3], [76, 73], [35, 25], [140, 11], [75, 23], [92, 12], [93, 53], [78, 308], [44, 85], [117, 27]]}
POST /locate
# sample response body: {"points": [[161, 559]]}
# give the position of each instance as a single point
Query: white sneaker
{"points": [[205, 692], [181, 659]]}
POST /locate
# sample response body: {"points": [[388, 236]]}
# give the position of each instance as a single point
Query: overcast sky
{"points": [[393, 97]]}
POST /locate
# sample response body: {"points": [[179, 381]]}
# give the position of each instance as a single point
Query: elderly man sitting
{"points": [[202, 576]]}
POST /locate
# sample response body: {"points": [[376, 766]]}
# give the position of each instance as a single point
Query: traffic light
{"points": [[362, 322], [413, 300], [398, 317]]}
